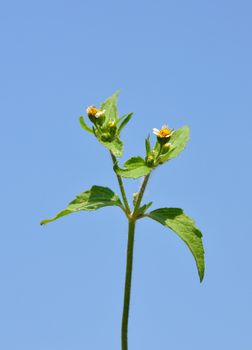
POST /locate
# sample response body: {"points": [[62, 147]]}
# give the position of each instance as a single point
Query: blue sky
{"points": [[176, 62]]}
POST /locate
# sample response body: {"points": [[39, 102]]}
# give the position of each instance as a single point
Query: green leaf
{"points": [[95, 198], [185, 228], [178, 142], [84, 125], [115, 146], [125, 122], [147, 145], [133, 168], [110, 106], [143, 208], [121, 118]]}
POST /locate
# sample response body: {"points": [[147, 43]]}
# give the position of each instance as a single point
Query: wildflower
{"points": [[91, 111], [163, 133], [94, 112], [96, 116]]}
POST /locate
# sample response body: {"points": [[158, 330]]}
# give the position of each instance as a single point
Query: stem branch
{"points": [[141, 193], [120, 182]]}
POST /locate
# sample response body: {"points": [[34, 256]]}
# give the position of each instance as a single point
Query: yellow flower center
{"points": [[165, 132]]}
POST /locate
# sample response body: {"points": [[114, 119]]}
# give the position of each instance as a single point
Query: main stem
{"points": [[129, 265], [127, 287], [132, 217]]}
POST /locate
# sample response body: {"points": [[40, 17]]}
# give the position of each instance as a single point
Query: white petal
{"points": [[99, 114], [155, 131]]}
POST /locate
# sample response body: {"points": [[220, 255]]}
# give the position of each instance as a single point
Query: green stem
{"points": [[120, 182], [127, 287], [129, 265], [130, 249], [141, 193]]}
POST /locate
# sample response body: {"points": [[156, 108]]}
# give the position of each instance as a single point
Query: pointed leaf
{"points": [[95, 198], [178, 142], [110, 106], [125, 122], [121, 118], [84, 125], [185, 228], [143, 208], [147, 145], [133, 168]]}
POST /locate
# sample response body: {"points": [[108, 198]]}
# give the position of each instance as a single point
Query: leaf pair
{"points": [[173, 218], [108, 134]]}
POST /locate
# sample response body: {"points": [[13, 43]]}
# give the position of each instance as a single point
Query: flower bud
{"points": [[106, 137], [150, 159], [166, 147], [112, 128]]}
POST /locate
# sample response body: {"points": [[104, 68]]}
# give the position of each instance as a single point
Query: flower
{"points": [[92, 111], [96, 116], [163, 133]]}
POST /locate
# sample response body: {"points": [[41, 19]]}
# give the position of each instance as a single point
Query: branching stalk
{"points": [[120, 182], [141, 193]]}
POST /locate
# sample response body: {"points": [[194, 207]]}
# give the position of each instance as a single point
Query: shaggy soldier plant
{"points": [[106, 126]]}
